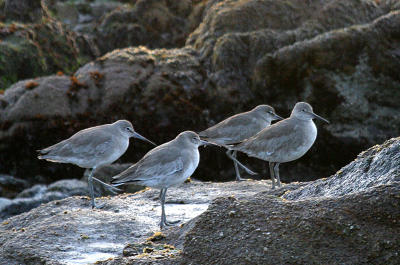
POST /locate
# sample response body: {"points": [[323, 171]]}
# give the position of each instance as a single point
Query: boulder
{"points": [[40, 194], [246, 223], [151, 88], [153, 23], [11, 186], [28, 11], [341, 56], [70, 231], [379, 165], [34, 44]]}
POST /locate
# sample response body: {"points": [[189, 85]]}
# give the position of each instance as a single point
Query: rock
{"points": [[10, 186], [288, 52], [25, 10], [69, 231], [359, 228], [34, 44], [341, 56], [376, 166], [71, 187], [133, 84], [4, 203], [246, 223], [105, 174], [153, 23], [34, 191], [40, 194]]}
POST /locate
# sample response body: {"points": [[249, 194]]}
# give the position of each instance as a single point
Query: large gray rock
{"points": [[40, 194], [358, 225], [70, 232], [11, 186], [341, 56], [246, 223], [379, 165]]}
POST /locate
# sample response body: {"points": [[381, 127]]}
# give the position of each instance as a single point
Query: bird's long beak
{"points": [[207, 143], [317, 116], [278, 117], [138, 136]]}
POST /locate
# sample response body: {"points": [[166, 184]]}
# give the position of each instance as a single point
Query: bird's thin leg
{"points": [[276, 173], [164, 221], [110, 188], [240, 164], [271, 171], [91, 189], [238, 178], [162, 200]]}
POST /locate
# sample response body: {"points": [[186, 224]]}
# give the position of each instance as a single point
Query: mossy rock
{"points": [[31, 50]]}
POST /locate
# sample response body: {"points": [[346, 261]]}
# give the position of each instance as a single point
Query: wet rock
{"points": [[357, 228], [245, 223], [341, 56], [105, 174], [40, 194], [69, 231], [10, 186], [360, 226]]}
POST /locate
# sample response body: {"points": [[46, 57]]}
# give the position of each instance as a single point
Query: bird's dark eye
{"points": [[128, 129]]}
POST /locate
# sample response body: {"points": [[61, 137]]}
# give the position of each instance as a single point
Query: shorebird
{"points": [[167, 165], [284, 141], [93, 147], [239, 127]]}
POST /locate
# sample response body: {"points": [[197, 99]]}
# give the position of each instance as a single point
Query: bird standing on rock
{"points": [[167, 165], [238, 128], [284, 141], [93, 147]]}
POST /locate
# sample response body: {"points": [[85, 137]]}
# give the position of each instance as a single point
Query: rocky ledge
{"points": [[341, 56], [349, 218]]}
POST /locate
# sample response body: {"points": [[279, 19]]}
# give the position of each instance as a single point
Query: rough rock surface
{"points": [[25, 10], [378, 165], [153, 23], [149, 87], [33, 43], [341, 56], [11, 186], [342, 226], [70, 232], [246, 223], [39, 194]]}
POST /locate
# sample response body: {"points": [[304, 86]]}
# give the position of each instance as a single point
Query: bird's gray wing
{"points": [[92, 142], [160, 162], [269, 141], [233, 129]]}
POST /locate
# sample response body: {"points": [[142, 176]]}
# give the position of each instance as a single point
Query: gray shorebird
{"points": [[238, 128], [284, 141], [167, 165], [93, 147]]}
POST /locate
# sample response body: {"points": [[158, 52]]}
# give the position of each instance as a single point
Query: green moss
{"points": [[30, 50]]}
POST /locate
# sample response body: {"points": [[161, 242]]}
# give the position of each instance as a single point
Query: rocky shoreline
{"points": [[169, 66], [336, 220]]}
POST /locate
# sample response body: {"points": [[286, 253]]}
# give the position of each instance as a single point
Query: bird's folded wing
{"points": [[163, 162], [82, 144], [267, 141]]}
